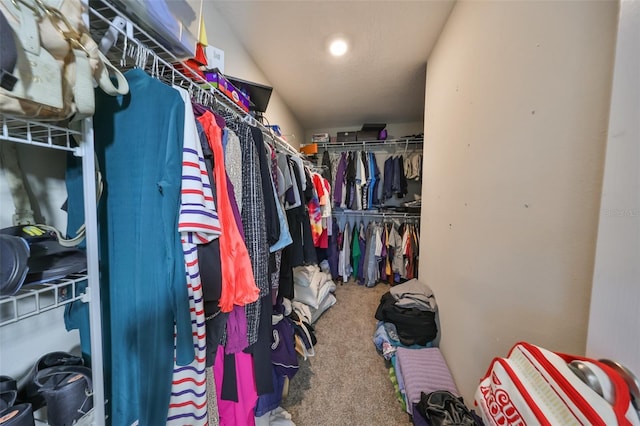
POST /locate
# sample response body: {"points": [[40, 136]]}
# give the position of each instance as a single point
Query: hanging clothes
{"points": [[396, 253], [239, 287], [413, 166], [374, 198], [253, 218], [287, 187], [387, 183], [198, 224], [359, 183], [209, 253], [315, 216], [355, 250], [333, 250], [369, 256], [302, 250], [351, 173], [344, 262], [271, 215], [339, 183], [378, 251], [237, 367], [327, 171], [142, 261], [233, 164], [362, 243], [403, 180], [382, 273]]}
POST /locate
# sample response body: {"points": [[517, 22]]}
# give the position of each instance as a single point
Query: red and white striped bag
{"points": [[534, 386]]}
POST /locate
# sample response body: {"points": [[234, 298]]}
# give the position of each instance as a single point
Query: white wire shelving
{"points": [[37, 298], [34, 299], [410, 143], [378, 214], [136, 48], [43, 134]]}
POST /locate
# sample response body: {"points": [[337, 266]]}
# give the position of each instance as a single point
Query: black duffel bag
{"points": [[414, 326], [442, 408]]}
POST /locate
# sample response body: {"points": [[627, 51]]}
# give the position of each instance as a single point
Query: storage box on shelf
{"points": [[177, 27], [217, 80], [346, 136], [367, 135]]}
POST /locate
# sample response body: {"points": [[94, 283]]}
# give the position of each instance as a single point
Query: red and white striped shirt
{"points": [[198, 224]]}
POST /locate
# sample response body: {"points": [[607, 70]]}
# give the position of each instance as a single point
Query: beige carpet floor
{"points": [[346, 382]]}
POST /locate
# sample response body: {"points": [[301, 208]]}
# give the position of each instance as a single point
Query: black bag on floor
{"points": [[415, 327], [442, 408]]}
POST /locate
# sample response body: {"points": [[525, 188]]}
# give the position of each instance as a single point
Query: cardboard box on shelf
{"points": [[309, 149]]}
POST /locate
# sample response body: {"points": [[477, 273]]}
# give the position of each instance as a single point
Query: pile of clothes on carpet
{"points": [[406, 336], [313, 292]]}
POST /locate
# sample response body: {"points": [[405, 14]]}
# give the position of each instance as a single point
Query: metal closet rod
{"points": [[393, 215], [372, 144], [165, 70]]}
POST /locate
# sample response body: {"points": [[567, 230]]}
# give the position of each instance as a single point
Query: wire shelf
{"points": [[133, 47], [34, 299], [393, 144], [378, 214], [15, 129]]}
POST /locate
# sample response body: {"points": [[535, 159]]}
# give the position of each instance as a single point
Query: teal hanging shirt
{"points": [[139, 141]]}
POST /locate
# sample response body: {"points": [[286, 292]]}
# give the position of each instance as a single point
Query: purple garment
{"points": [[236, 331], [270, 401], [333, 251], [418, 418], [283, 348], [237, 321], [199, 109], [340, 176]]}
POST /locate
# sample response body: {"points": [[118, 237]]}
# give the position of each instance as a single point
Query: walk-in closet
{"points": [[312, 213]]}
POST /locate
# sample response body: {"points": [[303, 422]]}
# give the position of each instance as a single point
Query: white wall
{"points": [[238, 63], [517, 101], [614, 322]]}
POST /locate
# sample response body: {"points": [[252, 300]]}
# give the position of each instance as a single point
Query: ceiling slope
{"points": [[382, 77]]}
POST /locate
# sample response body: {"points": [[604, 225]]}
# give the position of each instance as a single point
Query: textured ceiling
{"points": [[382, 77]]}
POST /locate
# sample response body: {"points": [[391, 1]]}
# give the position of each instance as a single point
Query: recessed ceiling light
{"points": [[338, 47]]}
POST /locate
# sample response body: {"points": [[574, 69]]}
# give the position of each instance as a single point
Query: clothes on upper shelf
{"points": [[201, 224], [406, 335]]}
